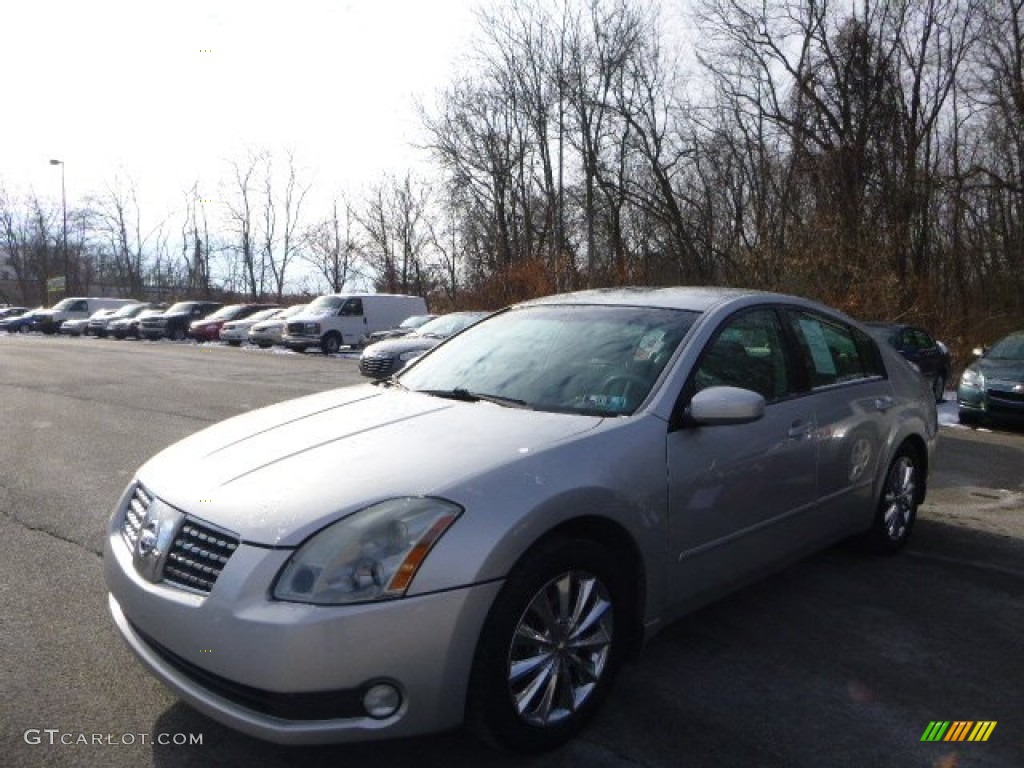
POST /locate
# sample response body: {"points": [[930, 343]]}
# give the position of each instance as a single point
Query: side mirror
{"points": [[726, 405]]}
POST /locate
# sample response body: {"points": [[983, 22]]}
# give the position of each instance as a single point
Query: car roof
{"points": [[695, 298]]}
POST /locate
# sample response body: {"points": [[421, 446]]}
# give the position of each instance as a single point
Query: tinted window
{"points": [[922, 340], [748, 352], [833, 352], [352, 308]]}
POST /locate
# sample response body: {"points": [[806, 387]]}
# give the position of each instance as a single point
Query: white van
{"points": [[77, 308], [339, 319]]}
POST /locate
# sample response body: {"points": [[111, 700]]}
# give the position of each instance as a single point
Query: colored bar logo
{"points": [[958, 730]]}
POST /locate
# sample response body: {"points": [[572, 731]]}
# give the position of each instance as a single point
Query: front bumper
{"points": [[999, 399], [234, 334], [299, 342], [278, 670]]}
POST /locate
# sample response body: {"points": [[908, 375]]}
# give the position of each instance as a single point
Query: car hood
{"points": [[1010, 370], [392, 347], [276, 475]]}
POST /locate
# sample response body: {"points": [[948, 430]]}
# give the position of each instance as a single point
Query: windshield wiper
{"points": [[464, 395], [390, 381]]}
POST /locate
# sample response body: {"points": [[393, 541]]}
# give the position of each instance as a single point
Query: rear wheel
{"points": [[939, 387], [550, 647], [235, 343], [897, 506], [178, 334]]}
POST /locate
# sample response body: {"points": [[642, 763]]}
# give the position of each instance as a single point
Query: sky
{"points": [[166, 92]]}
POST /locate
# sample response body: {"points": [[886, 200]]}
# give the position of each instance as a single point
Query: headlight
{"points": [[412, 354], [973, 378], [371, 555]]}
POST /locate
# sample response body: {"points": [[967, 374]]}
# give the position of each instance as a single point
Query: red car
{"points": [[208, 329]]}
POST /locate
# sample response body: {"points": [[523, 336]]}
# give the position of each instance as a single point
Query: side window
{"points": [[748, 352], [79, 306], [833, 352], [922, 340], [352, 308]]}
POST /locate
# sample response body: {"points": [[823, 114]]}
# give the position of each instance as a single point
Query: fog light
{"points": [[382, 700]]}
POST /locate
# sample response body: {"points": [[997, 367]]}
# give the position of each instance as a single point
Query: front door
{"points": [[737, 493]]}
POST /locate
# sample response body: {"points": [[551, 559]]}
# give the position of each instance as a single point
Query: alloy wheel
{"points": [[560, 648]]}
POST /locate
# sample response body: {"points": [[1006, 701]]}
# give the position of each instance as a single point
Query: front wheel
{"points": [[331, 343], [550, 647], [178, 334], [897, 506]]}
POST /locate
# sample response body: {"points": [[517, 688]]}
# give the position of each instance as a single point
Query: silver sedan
{"points": [[487, 536]]}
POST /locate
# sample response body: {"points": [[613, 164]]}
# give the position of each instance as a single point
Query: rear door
{"points": [[852, 397]]}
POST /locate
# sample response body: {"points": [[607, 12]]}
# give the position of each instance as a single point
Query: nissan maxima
{"points": [[488, 535]]}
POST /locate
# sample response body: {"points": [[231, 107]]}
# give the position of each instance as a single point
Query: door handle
{"points": [[883, 403], [799, 430]]}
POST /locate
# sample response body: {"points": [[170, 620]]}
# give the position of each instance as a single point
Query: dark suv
{"points": [[929, 356], [174, 323]]}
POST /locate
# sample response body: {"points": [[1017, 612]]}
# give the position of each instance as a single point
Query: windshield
{"points": [[326, 303], [263, 314], [226, 313], [64, 304], [291, 311], [448, 325], [415, 321], [129, 311], [180, 308], [598, 360], [1010, 348]]}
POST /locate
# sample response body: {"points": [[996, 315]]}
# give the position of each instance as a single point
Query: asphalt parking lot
{"points": [[841, 660]]}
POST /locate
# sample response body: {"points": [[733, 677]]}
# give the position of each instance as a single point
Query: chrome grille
{"points": [[198, 555], [376, 366], [135, 516]]}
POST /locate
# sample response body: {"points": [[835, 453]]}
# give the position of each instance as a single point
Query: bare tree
{"points": [[332, 248]]}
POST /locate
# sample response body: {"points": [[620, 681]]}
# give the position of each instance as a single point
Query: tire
{"points": [[331, 343], [967, 418], [22, 329], [529, 706], [897, 504], [235, 343], [939, 387], [178, 334]]}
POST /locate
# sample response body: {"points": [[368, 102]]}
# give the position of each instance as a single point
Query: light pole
{"points": [[64, 203]]}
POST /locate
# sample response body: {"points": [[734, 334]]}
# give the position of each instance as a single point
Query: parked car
{"points": [[174, 323], [208, 329], [79, 326], [992, 386], [333, 321], [23, 323], [234, 332], [404, 328], [76, 308], [915, 344], [8, 312], [100, 326], [387, 357], [128, 326], [267, 333], [492, 531]]}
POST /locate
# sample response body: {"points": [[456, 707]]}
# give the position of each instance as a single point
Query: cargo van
{"points": [[340, 319], [76, 308]]}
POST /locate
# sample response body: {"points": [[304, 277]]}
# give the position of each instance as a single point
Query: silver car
{"points": [[487, 536]]}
